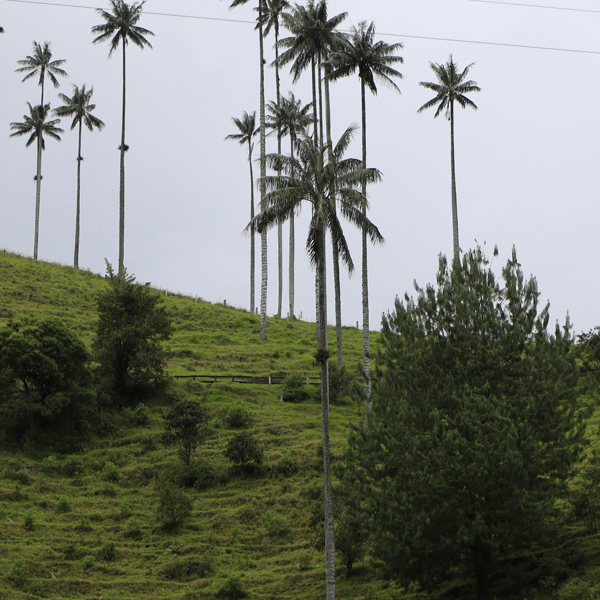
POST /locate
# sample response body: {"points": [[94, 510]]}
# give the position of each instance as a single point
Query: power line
{"points": [[397, 35], [583, 10]]}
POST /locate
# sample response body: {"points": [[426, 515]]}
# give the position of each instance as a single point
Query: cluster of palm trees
{"points": [[316, 171], [119, 27]]}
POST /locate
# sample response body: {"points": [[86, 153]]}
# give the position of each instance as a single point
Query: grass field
{"points": [[84, 526]]}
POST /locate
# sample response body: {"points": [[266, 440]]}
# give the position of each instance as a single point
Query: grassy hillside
{"points": [[84, 526]]}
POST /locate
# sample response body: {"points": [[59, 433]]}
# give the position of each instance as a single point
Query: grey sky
{"points": [[526, 160]]}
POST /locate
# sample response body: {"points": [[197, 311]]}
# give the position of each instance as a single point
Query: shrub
{"points": [[339, 383], [148, 442], [182, 569], [232, 589], [19, 573], [50, 465], [107, 553], [275, 524], [133, 528], [198, 475], [125, 511], [173, 506], [287, 465], [140, 415], [585, 499], [63, 506], [576, 589], [28, 523], [111, 472], [87, 562], [297, 390], [244, 451], [72, 467], [185, 426], [71, 552], [237, 416]]}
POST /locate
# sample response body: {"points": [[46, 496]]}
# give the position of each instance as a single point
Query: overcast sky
{"points": [[527, 160]]}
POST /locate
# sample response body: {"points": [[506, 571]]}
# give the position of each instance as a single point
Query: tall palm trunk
{"points": [[252, 237], [292, 250], [122, 175], [279, 225], [365, 277], [78, 209], [454, 202], [263, 174], [38, 191], [336, 258], [323, 356]]}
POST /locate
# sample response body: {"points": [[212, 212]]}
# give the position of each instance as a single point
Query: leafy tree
{"points": [[310, 178], [37, 126], [477, 421], [45, 382], [263, 164], [185, 426], [131, 325], [590, 345], [289, 117], [373, 61], [244, 451], [451, 87], [80, 108], [121, 27], [41, 63], [247, 131]]}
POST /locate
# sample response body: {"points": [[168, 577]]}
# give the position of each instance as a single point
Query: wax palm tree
{"points": [[289, 117], [314, 35], [309, 177], [451, 87], [247, 131], [271, 15], [373, 61], [263, 165], [121, 27], [79, 107], [36, 126], [41, 63]]}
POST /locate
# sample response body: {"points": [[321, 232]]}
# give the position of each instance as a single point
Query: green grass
{"points": [[59, 515]]}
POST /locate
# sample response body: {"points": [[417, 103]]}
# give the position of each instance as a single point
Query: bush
{"points": [[71, 552], [107, 553], [244, 451], [72, 467], [237, 416], [111, 472], [198, 475], [287, 465], [173, 506], [275, 524], [339, 384], [87, 562], [140, 415], [297, 390], [585, 498], [19, 573], [182, 569], [133, 528], [185, 426], [28, 523], [63, 506], [576, 589], [232, 589]]}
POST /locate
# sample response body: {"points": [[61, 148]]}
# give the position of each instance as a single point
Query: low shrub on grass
{"points": [[111, 472], [237, 416], [198, 474], [297, 390], [19, 574], [286, 466], [72, 467], [577, 589], [29, 523], [133, 528], [107, 553], [173, 506], [63, 506], [232, 589], [182, 569], [140, 415]]}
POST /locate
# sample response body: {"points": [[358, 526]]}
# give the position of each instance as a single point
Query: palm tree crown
{"points": [[358, 52], [121, 25], [41, 63], [290, 116], [80, 108], [247, 129], [36, 124], [451, 87]]}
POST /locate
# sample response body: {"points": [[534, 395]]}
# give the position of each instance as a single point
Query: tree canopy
{"points": [[131, 326], [477, 421]]}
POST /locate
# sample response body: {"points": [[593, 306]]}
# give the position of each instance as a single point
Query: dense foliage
{"points": [[185, 426], [476, 425], [132, 323], [45, 382]]}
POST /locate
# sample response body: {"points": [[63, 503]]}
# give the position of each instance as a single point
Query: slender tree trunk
{"points": [[38, 192], [292, 250], [365, 278], [336, 258], [78, 209], [122, 177], [454, 202], [252, 236], [279, 225], [322, 343], [314, 99], [263, 174]]}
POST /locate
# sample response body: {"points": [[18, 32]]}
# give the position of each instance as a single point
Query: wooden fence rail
{"points": [[260, 379]]}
